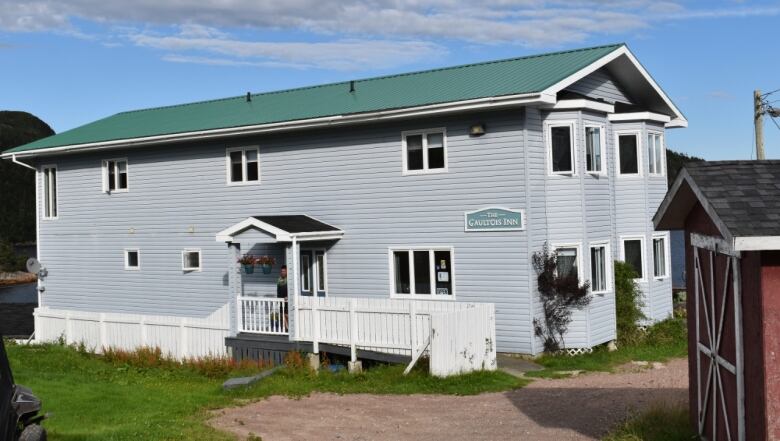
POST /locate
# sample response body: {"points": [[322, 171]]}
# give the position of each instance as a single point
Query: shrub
{"points": [[560, 295], [9, 261], [209, 366], [628, 304]]}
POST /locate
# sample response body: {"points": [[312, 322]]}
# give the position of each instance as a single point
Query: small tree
{"points": [[560, 295], [628, 304]]}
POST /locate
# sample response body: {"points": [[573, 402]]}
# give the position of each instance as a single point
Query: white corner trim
{"points": [[584, 104], [639, 116], [756, 243]]}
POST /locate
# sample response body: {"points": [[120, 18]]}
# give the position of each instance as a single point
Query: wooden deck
{"points": [[272, 349]]}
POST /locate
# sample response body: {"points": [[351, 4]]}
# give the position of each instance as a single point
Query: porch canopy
{"points": [[283, 228]]}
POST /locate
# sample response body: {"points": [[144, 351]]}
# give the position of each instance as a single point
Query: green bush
{"points": [[9, 261], [628, 304]]}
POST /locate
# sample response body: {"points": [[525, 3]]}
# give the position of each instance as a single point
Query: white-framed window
{"points": [[655, 153], [595, 149], [50, 209], [422, 272], [321, 266], [628, 155], [568, 260], [661, 256], [243, 165], [115, 177], [632, 252], [132, 259], [600, 267], [191, 259], [561, 147], [424, 151], [306, 271]]}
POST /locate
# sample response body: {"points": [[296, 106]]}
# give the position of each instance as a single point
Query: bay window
{"points": [[655, 153], [594, 149], [599, 275], [659, 257], [628, 154], [632, 253], [560, 147]]}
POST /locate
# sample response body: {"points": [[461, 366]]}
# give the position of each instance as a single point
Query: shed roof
{"points": [[503, 78], [296, 223], [743, 197], [283, 228]]}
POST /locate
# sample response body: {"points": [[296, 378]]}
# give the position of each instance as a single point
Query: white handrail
{"points": [[263, 315]]}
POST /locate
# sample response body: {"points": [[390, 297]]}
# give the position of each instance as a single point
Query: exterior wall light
{"points": [[477, 129]]}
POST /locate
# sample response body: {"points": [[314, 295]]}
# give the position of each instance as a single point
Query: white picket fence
{"points": [[458, 337], [179, 337], [262, 315]]}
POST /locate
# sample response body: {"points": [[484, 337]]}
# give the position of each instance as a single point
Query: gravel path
{"points": [[580, 408]]}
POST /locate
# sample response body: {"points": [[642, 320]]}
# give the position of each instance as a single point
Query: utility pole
{"points": [[758, 120]]}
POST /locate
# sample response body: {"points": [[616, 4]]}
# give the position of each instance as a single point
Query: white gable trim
{"points": [[229, 234], [678, 121], [584, 104], [639, 116]]}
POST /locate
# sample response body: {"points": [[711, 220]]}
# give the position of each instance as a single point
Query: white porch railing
{"points": [[262, 315]]}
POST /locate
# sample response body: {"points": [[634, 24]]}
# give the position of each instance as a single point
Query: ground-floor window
{"points": [[633, 253], [424, 272], [132, 259], [190, 260], [659, 257], [314, 272], [599, 276]]}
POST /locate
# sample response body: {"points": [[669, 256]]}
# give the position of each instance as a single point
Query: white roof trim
{"points": [[229, 234], [455, 106], [756, 243], [639, 116], [584, 104], [679, 120]]}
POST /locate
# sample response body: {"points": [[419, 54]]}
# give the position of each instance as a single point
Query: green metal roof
{"points": [[481, 80]]}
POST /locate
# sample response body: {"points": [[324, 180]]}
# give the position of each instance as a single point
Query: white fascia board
{"points": [[433, 109], [757, 243], [603, 61], [639, 116], [228, 234], [584, 104]]}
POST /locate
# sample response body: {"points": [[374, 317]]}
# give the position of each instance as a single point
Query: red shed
{"points": [[730, 211]]}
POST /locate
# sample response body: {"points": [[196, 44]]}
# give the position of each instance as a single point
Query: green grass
{"points": [[92, 399], [663, 341], [657, 424]]}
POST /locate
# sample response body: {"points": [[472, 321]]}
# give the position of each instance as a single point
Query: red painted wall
{"points": [[770, 295]]}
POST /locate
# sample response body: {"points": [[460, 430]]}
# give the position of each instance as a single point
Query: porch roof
{"points": [[283, 228]]}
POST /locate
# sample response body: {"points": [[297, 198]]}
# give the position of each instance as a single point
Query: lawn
{"points": [[663, 341], [657, 424], [94, 399]]}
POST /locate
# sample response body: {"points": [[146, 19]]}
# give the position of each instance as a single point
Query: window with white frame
{"points": [[567, 261], [243, 165], [659, 257], [424, 151], [599, 276], [628, 154], [633, 254], [655, 153], [306, 272], [560, 147], [190, 260], [114, 175], [319, 258], [50, 192], [422, 272], [594, 149], [132, 259]]}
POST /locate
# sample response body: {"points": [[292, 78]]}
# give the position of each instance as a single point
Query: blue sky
{"points": [[74, 61]]}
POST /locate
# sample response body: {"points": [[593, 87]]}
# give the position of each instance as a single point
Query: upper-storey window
{"points": [[628, 154], [594, 149], [655, 153], [50, 192], [115, 175], [560, 147], [424, 151], [243, 165]]}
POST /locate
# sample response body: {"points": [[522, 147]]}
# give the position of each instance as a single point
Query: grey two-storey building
{"points": [[435, 185]]}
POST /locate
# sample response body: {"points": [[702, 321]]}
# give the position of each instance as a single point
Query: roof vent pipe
{"points": [[351, 86], [248, 97]]}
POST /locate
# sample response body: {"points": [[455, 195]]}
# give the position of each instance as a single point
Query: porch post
{"points": [[234, 285]]}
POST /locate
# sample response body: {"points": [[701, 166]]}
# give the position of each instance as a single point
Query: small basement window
{"points": [[190, 260], [560, 147], [655, 154], [114, 175], [424, 151], [599, 279], [426, 273], [633, 254], [132, 259], [628, 154], [50, 192], [243, 165], [659, 257], [594, 149]]}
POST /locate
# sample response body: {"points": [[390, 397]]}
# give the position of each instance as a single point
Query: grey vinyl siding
{"points": [[600, 86], [350, 178]]}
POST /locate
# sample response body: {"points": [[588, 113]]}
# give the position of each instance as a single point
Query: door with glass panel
{"points": [[314, 273]]}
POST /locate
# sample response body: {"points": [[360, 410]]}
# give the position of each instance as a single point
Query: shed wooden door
{"points": [[719, 363]]}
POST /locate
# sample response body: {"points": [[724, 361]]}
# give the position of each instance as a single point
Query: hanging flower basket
{"points": [[249, 269], [248, 263], [266, 263]]}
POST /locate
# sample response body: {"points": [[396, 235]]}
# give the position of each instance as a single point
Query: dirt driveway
{"points": [[579, 408]]}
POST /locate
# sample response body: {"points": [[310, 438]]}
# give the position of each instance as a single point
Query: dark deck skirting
{"points": [[273, 348]]}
